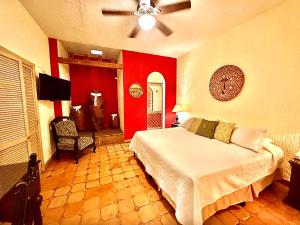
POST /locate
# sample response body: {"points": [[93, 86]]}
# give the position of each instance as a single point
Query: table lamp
{"points": [[177, 109]]}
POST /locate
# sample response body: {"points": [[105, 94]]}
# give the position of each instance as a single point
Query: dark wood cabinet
{"points": [[293, 198], [20, 205]]}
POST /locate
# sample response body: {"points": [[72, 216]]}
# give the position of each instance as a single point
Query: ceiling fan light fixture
{"points": [[147, 22]]}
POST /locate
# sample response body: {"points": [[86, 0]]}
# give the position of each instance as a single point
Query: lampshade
{"points": [[147, 22], [297, 156], [177, 108]]}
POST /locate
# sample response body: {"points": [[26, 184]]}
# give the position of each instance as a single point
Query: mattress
{"points": [[196, 171]]}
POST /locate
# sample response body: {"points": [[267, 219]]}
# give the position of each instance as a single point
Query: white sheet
{"points": [[196, 171]]}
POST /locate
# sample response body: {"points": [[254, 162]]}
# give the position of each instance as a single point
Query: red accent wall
{"points": [[136, 68], [84, 79], [53, 51]]}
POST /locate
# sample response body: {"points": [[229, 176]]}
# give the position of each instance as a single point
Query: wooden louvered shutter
{"points": [[32, 121], [13, 141], [12, 121], [19, 130]]}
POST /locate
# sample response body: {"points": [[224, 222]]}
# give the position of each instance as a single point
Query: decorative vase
{"points": [[115, 121], [96, 108], [77, 115]]}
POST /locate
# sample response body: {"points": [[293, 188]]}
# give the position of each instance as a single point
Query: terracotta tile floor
{"points": [[110, 187]]}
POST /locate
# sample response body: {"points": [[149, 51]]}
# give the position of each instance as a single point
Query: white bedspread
{"points": [[196, 171]]}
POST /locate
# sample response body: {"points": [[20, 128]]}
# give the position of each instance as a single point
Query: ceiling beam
{"points": [[89, 57], [85, 62]]}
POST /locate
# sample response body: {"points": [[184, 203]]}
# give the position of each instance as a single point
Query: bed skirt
{"points": [[245, 194]]}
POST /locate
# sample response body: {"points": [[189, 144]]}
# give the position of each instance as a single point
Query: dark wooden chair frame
{"points": [[76, 147]]}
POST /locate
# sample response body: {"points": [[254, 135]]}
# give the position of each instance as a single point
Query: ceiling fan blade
{"points": [[163, 28], [108, 12], [154, 2], [175, 7], [134, 32]]}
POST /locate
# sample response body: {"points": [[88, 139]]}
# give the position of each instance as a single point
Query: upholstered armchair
{"points": [[66, 137]]}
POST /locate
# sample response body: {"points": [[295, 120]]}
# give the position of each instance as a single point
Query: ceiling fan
{"points": [[147, 10]]}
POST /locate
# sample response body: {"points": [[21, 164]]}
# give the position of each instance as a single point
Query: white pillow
{"points": [[249, 138], [267, 140], [195, 124], [187, 123]]}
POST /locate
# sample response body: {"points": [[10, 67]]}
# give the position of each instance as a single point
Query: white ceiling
{"points": [[81, 21]]}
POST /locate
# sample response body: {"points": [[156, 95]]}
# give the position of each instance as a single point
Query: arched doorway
{"points": [[155, 101]]}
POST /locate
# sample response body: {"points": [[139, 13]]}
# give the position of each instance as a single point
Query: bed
{"points": [[199, 176]]}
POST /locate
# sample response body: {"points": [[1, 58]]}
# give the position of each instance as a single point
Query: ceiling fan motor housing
{"points": [[145, 7], [145, 2]]}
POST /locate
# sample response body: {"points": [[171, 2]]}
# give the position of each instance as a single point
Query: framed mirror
{"points": [[136, 90]]}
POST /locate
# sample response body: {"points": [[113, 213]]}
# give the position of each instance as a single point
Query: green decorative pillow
{"points": [[195, 124], [207, 128], [224, 131]]}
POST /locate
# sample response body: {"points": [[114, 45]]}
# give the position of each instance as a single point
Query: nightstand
{"points": [[175, 124], [293, 198]]}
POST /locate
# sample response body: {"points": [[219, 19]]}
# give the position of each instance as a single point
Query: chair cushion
{"points": [[68, 143], [66, 128], [85, 141]]}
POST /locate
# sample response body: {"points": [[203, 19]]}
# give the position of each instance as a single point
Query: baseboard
{"points": [[46, 164]]}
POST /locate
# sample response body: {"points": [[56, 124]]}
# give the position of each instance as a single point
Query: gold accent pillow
{"points": [[195, 124], [207, 128], [224, 131]]}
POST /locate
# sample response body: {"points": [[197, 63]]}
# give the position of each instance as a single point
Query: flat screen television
{"points": [[52, 88]]}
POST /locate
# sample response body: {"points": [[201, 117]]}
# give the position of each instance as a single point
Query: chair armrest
{"points": [[71, 137], [86, 134]]}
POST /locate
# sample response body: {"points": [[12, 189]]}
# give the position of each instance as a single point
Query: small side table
{"points": [[175, 124], [293, 198]]}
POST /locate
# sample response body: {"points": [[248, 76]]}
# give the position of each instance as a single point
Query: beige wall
{"points": [[47, 109], [267, 49], [120, 93], [20, 34], [64, 73]]}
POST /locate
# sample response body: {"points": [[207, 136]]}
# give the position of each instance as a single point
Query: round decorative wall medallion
{"points": [[226, 82], [136, 90]]}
